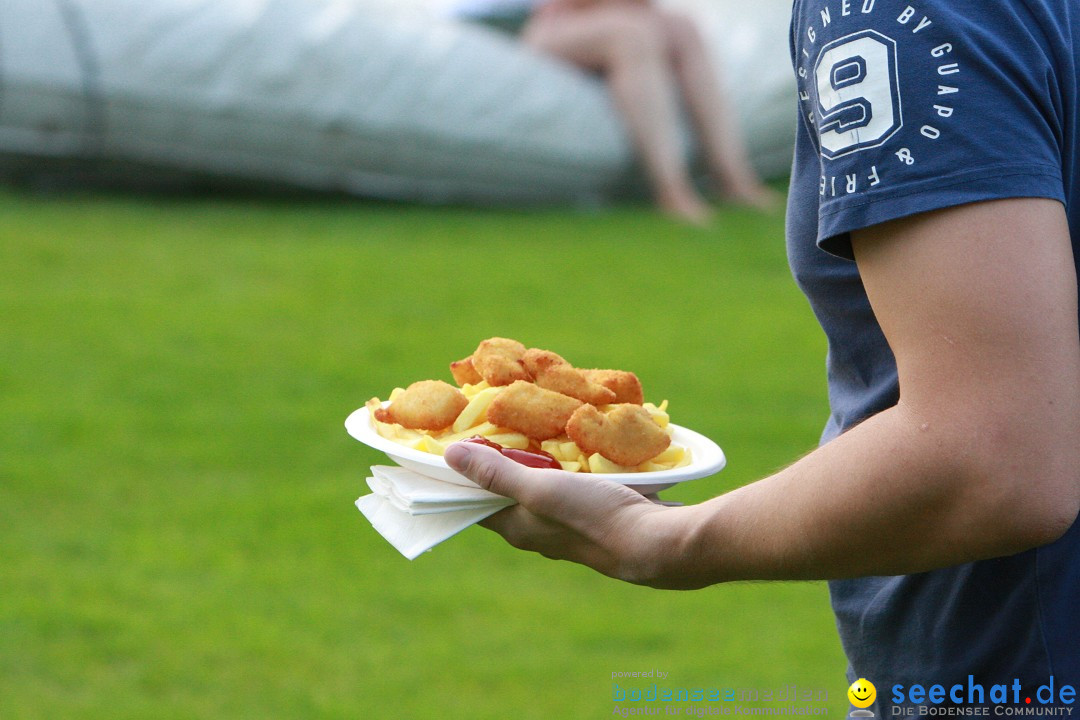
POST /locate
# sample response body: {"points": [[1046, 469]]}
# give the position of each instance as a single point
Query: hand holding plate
{"points": [[568, 516]]}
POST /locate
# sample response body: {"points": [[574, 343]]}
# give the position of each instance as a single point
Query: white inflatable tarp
{"points": [[373, 98]]}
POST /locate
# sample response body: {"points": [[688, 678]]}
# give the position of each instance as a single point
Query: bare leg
{"points": [[627, 43], [717, 129]]}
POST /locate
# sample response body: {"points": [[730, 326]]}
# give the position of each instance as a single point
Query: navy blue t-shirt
{"points": [[907, 107]]}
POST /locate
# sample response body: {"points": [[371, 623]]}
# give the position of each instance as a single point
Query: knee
{"points": [[681, 33], [640, 34]]}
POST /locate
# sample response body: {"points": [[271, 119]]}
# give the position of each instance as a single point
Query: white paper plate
{"points": [[706, 458]]}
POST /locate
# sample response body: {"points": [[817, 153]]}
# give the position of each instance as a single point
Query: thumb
{"points": [[487, 467]]}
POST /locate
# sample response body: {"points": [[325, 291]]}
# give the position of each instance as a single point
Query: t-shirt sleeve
{"points": [[913, 110]]}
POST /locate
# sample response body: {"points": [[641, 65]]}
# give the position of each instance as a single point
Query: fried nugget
{"points": [[498, 360], [532, 411], [464, 373], [623, 383], [424, 405], [552, 372], [626, 435]]}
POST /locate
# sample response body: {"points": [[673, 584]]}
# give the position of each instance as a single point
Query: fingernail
{"points": [[457, 456]]}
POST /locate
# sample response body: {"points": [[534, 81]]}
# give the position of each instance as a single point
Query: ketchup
{"points": [[537, 459]]}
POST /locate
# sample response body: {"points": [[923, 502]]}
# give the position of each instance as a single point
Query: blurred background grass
{"points": [[177, 533]]}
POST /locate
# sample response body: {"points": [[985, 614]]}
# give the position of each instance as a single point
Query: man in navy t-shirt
{"points": [[909, 109], [933, 223]]}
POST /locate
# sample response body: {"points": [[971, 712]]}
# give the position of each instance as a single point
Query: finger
{"points": [[518, 526], [573, 500], [488, 468], [527, 531], [545, 492]]}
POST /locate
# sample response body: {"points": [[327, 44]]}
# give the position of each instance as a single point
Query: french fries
{"points": [[473, 421]]}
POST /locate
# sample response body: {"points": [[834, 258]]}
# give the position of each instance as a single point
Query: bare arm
{"points": [[977, 460]]}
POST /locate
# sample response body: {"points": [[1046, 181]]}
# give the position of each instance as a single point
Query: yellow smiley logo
{"points": [[862, 692]]}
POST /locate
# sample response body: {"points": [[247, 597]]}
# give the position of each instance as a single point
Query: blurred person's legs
{"points": [[628, 43], [717, 129], [648, 56]]}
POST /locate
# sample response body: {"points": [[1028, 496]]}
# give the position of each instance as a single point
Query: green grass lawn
{"points": [[177, 531]]}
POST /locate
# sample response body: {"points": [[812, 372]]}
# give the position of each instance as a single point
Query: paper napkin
{"points": [[415, 512]]}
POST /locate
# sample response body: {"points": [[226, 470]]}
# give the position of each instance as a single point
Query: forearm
{"points": [[913, 488], [896, 494]]}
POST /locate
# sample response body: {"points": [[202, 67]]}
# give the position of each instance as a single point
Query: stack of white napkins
{"points": [[415, 512]]}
